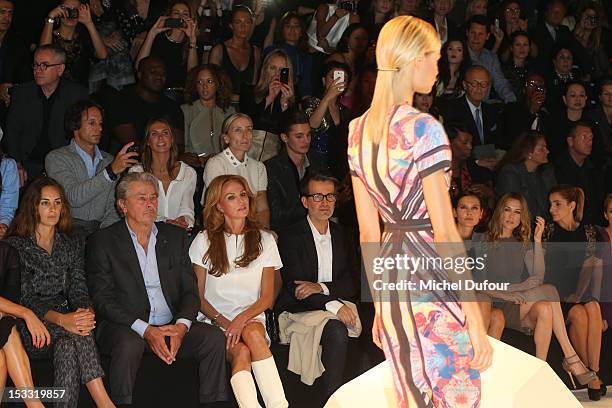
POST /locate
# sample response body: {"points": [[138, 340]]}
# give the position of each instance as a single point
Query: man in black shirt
{"points": [[35, 122], [135, 106]]}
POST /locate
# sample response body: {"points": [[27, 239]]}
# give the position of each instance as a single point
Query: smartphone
{"points": [[497, 22], [339, 77], [73, 13], [174, 23], [133, 149], [284, 75], [348, 6]]}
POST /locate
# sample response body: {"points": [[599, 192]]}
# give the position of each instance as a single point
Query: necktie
{"points": [[479, 126]]}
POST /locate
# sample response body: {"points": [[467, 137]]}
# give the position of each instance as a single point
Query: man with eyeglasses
{"points": [[477, 35], [317, 276], [35, 122], [479, 118], [528, 114]]}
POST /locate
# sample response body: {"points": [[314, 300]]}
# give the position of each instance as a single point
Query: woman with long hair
{"points": [[53, 287], [528, 305], [453, 63], [237, 136], [235, 263], [399, 158], [571, 258], [207, 104], [352, 51], [525, 169], [510, 21], [272, 95], [176, 47], [587, 42], [238, 58], [177, 180]]}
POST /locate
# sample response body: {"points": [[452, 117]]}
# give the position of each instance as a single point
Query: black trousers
{"points": [[334, 342], [203, 342]]}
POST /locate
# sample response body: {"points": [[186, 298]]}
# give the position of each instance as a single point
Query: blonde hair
{"points": [[523, 232], [401, 40], [227, 123]]}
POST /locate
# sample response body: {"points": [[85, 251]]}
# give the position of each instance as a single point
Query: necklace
{"points": [[172, 40]]}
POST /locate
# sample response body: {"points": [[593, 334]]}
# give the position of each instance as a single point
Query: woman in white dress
{"points": [[237, 135], [235, 262], [177, 180]]}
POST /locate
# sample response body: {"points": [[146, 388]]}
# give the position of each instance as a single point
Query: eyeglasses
{"points": [[43, 66], [474, 84], [318, 197]]}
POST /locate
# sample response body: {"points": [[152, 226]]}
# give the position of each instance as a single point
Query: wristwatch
{"points": [[110, 172]]}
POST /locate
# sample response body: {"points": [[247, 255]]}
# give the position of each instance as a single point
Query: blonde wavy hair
{"points": [[400, 42], [523, 232]]}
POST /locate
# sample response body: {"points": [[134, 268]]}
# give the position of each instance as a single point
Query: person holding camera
{"points": [[586, 44], [177, 46], [272, 95], [86, 173], [328, 24], [81, 45]]}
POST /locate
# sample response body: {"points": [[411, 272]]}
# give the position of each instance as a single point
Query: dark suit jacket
{"points": [[517, 119], [283, 189], [541, 36], [299, 254], [116, 283], [25, 119], [454, 31], [458, 110]]}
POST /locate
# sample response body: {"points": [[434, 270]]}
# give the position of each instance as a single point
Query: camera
{"points": [[174, 23], [348, 6], [284, 75], [73, 13], [593, 20]]}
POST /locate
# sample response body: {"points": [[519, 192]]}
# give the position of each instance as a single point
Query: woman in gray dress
{"points": [[53, 287]]}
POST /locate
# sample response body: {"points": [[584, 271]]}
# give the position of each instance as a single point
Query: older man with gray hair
{"points": [[146, 297]]}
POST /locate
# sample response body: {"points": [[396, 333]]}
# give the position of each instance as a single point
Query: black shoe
{"points": [[594, 394]]}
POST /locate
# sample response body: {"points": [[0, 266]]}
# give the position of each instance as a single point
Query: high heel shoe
{"points": [[584, 378], [594, 394], [602, 387]]}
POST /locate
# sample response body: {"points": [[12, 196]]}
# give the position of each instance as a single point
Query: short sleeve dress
{"points": [[425, 337], [235, 291]]}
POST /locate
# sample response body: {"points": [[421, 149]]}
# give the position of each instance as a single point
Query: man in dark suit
{"points": [[316, 274], [446, 28], [288, 168], [479, 118], [145, 294], [550, 33], [35, 122]]}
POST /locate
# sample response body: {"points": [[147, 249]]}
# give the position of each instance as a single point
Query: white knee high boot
{"points": [[269, 383], [244, 390]]}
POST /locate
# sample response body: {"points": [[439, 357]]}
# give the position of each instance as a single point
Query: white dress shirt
{"points": [[325, 257]]}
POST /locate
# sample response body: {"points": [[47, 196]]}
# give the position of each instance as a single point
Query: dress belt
{"points": [[408, 225]]}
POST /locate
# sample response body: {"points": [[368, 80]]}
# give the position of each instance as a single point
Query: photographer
{"points": [[81, 45], [328, 24], [177, 47]]}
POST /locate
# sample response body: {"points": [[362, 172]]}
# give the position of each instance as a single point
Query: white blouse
{"points": [[235, 291], [226, 163], [178, 200]]}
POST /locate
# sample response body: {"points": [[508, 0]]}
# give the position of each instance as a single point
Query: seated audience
{"points": [[601, 118], [424, 103], [361, 99], [81, 45], [87, 173], [291, 37], [468, 211], [466, 173], [477, 34], [565, 268], [235, 294], [525, 169], [270, 97], [452, 65], [177, 47], [528, 113], [237, 138], [518, 65], [14, 361], [9, 191], [374, 17], [407, 7], [561, 74], [479, 117], [53, 287], [146, 297], [286, 170], [574, 104], [445, 27], [587, 42], [238, 58], [550, 33], [510, 22], [136, 18], [207, 104], [316, 273], [606, 246], [328, 116], [352, 50], [135, 106], [575, 168], [35, 124], [327, 25], [176, 180]]}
